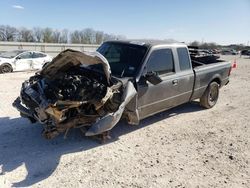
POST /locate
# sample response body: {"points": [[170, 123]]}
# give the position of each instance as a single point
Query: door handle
{"points": [[175, 82]]}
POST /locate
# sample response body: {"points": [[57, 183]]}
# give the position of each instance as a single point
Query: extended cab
{"points": [[134, 80], [165, 74]]}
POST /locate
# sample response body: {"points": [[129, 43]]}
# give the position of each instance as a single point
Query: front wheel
{"points": [[210, 96], [5, 68]]}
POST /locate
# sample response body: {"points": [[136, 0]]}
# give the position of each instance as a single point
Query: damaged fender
{"points": [[109, 121]]}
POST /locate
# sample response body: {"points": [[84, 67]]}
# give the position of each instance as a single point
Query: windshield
{"points": [[124, 59], [10, 54]]}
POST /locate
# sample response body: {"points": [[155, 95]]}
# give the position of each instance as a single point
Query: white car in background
{"points": [[20, 60]]}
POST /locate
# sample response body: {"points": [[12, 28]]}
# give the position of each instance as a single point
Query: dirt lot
{"points": [[184, 147]]}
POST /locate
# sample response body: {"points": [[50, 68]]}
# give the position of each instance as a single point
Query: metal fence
{"points": [[50, 48]]}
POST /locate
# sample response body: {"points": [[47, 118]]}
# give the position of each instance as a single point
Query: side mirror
{"points": [[153, 78], [18, 57]]}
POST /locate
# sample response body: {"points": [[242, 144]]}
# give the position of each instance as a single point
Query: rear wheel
{"points": [[210, 96], [5, 68]]}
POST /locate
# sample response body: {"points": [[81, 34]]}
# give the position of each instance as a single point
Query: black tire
{"points": [[210, 96], [6, 68]]}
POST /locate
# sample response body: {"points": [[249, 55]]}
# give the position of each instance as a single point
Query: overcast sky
{"points": [[221, 21]]}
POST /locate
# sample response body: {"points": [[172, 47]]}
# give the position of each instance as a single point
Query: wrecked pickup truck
{"points": [[122, 79]]}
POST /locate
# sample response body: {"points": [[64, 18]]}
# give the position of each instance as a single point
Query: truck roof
{"points": [[149, 43]]}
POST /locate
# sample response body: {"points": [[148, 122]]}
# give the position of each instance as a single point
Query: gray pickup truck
{"points": [[123, 79]]}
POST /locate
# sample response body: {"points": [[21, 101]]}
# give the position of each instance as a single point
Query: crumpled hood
{"points": [[69, 58], [65, 95]]}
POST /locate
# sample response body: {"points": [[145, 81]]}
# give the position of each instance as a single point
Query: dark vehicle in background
{"points": [[245, 52], [229, 52], [201, 55], [215, 51], [123, 79]]}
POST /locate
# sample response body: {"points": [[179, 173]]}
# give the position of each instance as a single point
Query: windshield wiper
{"points": [[122, 73]]}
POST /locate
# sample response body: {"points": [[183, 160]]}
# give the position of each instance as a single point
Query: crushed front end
{"points": [[68, 94]]}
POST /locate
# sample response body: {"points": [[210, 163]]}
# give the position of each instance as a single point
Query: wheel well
{"points": [[7, 64], [217, 80]]}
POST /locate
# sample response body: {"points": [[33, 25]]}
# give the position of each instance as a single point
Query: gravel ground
{"points": [[183, 147]]}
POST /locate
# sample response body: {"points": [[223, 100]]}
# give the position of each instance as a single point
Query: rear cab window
{"points": [[184, 60], [161, 61]]}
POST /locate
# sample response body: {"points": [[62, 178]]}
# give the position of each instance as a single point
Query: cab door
{"points": [[171, 91], [24, 61]]}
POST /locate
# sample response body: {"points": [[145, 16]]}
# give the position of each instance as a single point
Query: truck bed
{"points": [[205, 73], [196, 63]]}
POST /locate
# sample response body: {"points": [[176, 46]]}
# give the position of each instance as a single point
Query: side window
{"points": [[25, 55], [37, 55], [183, 57], [161, 61]]}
